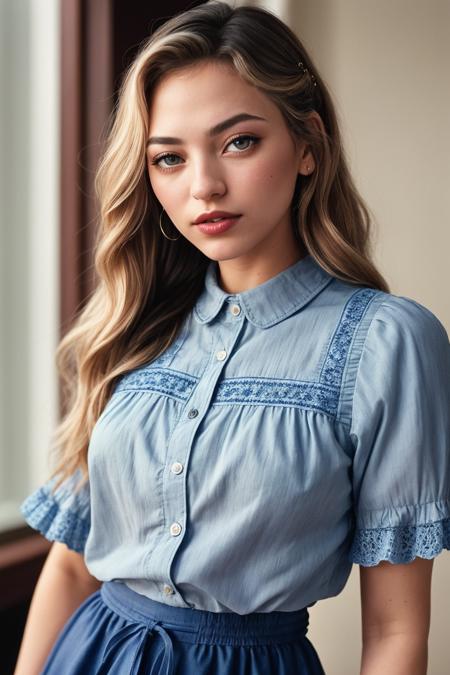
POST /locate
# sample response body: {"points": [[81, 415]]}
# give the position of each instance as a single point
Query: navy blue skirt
{"points": [[121, 632]]}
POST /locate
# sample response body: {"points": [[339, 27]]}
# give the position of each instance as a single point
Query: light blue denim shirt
{"points": [[289, 431]]}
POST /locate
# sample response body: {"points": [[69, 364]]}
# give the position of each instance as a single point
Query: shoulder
{"points": [[405, 322], [398, 312], [405, 352], [398, 349]]}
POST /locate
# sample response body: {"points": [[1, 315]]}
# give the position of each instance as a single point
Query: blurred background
{"points": [[386, 65]]}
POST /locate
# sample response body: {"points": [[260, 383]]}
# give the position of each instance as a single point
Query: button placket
{"points": [[181, 442]]}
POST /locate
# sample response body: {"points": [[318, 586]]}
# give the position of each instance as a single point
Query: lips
{"points": [[213, 215]]}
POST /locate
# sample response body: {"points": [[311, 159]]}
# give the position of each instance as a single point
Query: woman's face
{"points": [[246, 167]]}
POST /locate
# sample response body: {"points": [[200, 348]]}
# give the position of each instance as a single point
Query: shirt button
{"points": [[176, 467], [193, 413], [220, 356], [175, 529], [168, 590], [235, 309]]}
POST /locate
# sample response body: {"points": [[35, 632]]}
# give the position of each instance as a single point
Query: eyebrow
{"points": [[214, 131]]}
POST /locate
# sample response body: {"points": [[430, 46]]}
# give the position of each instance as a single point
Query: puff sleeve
{"points": [[63, 515], [400, 432]]}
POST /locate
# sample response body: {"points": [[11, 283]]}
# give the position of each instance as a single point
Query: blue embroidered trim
{"points": [[240, 390], [334, 364], [170, 382], [278, 392], [322, 396], [42, 512], [400, 544]]}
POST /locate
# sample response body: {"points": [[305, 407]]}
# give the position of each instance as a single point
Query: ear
{"points": [[306, 162]]}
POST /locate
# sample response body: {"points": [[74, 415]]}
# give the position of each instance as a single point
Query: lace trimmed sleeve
{"points": [[400, 431], [60, 516]]}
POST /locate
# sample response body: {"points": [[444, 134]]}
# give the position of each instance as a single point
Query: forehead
{"points": [[203, 94]]}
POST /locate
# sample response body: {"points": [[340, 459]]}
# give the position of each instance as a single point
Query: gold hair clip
{"points": [[305, 70]]}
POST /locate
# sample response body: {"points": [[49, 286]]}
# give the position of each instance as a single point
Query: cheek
{"points": [[272, 182], [273, 170], [156, 185], [163, 191]]}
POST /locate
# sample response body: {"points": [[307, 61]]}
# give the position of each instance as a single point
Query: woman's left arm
{"points": [[395, 610]]}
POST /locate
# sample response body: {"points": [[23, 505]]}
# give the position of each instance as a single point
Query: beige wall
{"points": [[387, 66]]}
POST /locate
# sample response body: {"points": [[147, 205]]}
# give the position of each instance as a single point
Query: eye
{"points": [[157, 160], [245, 138]]}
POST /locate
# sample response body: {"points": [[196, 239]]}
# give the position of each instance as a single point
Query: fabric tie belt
{"points": [[146, 621], [142, 633]]}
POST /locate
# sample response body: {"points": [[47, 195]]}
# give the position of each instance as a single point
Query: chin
{"points": [[234, 247], [220, 251]]}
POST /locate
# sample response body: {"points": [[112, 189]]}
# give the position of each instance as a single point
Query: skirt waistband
{"points": [[202, 626]]}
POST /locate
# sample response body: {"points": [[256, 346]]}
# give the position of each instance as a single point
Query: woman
{"points": [[260, 411]]}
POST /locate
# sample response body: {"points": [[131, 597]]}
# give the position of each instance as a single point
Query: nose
{"points": [[207, 181]]}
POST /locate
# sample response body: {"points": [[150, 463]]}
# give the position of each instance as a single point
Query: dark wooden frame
{"points": [[86, 101]]}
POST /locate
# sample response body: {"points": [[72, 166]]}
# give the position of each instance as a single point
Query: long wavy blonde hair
{"points": [[148, 284]]}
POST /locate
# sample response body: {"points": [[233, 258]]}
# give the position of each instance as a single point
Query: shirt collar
{"points": [[269, 302]]}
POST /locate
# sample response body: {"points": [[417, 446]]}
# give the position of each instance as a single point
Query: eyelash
{"points": [[156, 161]]}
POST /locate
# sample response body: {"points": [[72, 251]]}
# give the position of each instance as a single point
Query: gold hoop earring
{"points": [[160, 227]]}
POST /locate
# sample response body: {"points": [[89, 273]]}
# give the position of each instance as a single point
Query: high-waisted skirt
{"points": [[121, 632]]}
